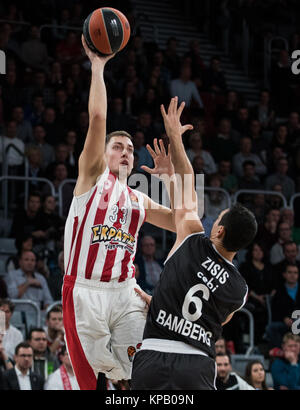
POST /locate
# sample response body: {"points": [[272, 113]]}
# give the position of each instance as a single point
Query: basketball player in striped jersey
{"points": [[103, 316]]}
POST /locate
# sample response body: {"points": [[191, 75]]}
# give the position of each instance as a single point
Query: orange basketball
{"points": [[106, 31]]}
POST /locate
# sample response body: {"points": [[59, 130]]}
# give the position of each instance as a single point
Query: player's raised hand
{"points": [[162, 160], [93, 56], [172, 123]]}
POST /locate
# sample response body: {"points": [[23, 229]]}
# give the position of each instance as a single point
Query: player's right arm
{"points": [[92, 161], [186, 216]]}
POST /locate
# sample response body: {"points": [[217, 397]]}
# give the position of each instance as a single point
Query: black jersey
{"points": [[197, 291]]}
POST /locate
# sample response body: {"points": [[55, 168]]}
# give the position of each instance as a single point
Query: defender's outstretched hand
{"points": [[172, 123], [162, 160]]}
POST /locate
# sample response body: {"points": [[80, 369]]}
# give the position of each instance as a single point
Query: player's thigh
{"points": [[171, 371], [127, 331]]}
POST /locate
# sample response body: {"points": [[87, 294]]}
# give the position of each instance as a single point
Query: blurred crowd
{"points": [[43, 124]]}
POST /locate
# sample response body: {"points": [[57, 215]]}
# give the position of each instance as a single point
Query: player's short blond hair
{"points": [[117, 134]]}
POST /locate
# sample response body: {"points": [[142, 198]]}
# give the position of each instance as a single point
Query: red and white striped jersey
{"points": [[101, 231]]}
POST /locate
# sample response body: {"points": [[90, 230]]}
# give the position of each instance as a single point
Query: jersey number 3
{"points": [[190, 298]]}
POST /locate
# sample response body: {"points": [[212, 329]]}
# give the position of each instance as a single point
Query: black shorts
{"points": [[154, 370]]}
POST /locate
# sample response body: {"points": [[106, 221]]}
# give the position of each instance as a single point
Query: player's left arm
{"points": [[158, 215]]}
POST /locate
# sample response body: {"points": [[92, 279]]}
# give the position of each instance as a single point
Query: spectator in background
{"points": [[63, 378], [249, 179], [21, 377], [44, 362], [223, 145], [54, 329], [291, 254], [172, 58], [229, 108], [280, 78], [284, 303], [241, 122], [39, 141], [56, 75], [60, 174], [259, 207], [145, 124], [185, 89], [24, 127], [116, 118], [228, 179], [281, 177], [62, 156], [198, 165], [64, 111], [280, 139], [39, 88], [55, 279], [293, 126], [34, 157], [194, 53], [35, 109], [220, 346], [22, 243], [255, 375], [259, 142], [245, 154], [226, 378], [195, 143], [286, 370], [26, 283], [68, 50], [149, 267], [264, 112], [284, 234], [34, 51], [12, 336], [14, 157], [267, 233], [262, 283], [55, 131], [214, 79], [214, 201], [144, 158], [288, 215], [28, 221], [5, 362]]}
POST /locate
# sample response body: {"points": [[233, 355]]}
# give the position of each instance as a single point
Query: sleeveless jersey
{"points": [[101, 231], [197, 291]]}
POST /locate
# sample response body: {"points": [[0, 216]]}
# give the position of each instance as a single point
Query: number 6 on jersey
{"points": [[190, 298]]}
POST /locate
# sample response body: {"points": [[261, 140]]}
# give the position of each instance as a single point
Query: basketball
{"points": [[106, 31]]}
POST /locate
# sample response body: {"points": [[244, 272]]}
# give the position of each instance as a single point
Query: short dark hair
{"points": [[54, 309], [9, 303], [35, 329], [25, 345], [225, 354], [293, 265], [117, 134], [240, 228]]}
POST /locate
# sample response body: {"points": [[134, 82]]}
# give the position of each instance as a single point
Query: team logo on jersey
{"points": [[131, 352], [104, 233]]}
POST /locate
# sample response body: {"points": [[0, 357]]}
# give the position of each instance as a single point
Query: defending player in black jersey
{"points": [[199, 289]]}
